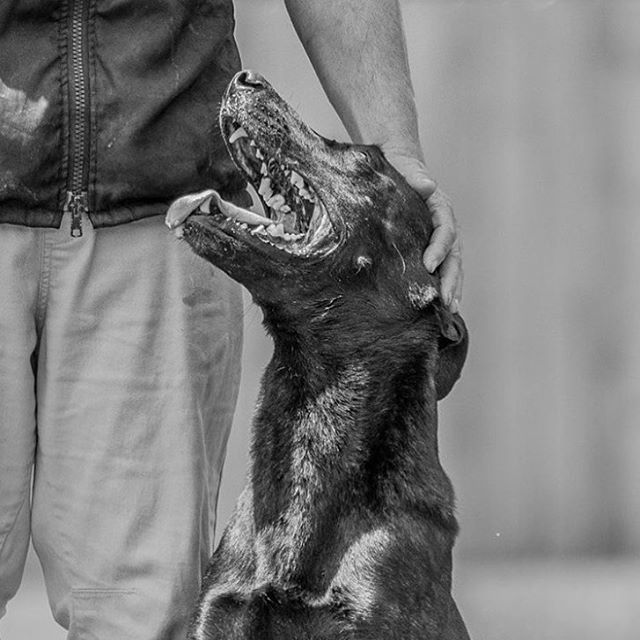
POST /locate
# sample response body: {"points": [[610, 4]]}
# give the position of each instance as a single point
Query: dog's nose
{"points": [[250, 79]]}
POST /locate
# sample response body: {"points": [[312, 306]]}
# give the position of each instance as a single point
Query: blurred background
{"points": [[530, 119]]}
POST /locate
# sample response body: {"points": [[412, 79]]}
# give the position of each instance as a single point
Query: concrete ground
{"points": [[535, 600]]}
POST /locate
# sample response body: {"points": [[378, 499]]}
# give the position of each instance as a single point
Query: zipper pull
{"points": [[76, 205]]}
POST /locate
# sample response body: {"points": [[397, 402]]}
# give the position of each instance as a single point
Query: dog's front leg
{"points": [[229, 580]]}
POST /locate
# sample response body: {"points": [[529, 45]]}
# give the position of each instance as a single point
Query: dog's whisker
{"points": [[404, 264]]}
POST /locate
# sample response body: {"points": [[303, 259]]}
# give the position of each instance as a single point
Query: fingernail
{"points": [[431, 265], [430, 185], [454, 306]]}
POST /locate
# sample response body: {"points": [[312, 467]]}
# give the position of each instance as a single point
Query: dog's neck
{"points": [[337, 432]]}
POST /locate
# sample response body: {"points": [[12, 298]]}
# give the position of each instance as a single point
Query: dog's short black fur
{"points": [[346, 526]]}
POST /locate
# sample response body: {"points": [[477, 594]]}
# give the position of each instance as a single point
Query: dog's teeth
{"points": [[252, 143], [276, 201], [285, 208], [259, 154], [237, 134], [244, 225], [296, 179], [265, 188], [259, 229], [263, 169], [276, 230]]}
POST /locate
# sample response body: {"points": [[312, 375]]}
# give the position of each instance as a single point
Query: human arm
{"points": [[358, 50]]}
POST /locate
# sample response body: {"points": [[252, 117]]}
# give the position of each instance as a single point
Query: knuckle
{"points": [[440, 200], [448, 235]]}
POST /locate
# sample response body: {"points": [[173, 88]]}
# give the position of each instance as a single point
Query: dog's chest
{"points": [[322, 445]]}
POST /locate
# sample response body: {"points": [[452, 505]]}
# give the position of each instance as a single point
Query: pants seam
{"points": [[25, 500], [44, 280]]}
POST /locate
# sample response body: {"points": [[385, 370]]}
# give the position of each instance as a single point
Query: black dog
{"points": [[346, 526]]}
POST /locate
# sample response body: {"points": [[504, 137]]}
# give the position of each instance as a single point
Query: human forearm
{"points": [[357, 48]]}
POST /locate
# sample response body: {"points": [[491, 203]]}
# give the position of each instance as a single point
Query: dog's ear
{"points": [[452, 349]]}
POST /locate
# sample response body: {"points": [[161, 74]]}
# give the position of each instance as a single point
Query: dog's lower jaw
{"points": [[343, 492]]}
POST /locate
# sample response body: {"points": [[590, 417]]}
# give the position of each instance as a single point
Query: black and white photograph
{"points": [[319, 320]]}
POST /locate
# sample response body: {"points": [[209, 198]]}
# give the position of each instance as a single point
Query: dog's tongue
{"points": [[183, 207]]}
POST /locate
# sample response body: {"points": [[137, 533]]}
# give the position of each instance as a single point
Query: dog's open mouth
{"points": [[297, 219], [294, 217]]}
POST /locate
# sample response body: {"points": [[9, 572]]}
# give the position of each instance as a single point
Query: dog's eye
{"points": [[371, 157], [362, 155]]}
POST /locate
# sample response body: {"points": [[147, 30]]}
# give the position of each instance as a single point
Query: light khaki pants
{"points": [[119, 369]]}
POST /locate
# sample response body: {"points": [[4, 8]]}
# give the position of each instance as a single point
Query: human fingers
{"points": [[445, 230], [451, 278]]}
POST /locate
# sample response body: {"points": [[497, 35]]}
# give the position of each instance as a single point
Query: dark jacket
{"points": [[110, 106]]}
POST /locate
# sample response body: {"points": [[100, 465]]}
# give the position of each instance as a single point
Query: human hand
{"points": [[444, 252]]}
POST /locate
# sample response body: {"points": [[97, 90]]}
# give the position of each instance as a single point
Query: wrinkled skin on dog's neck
{"points": [[344, 446]]}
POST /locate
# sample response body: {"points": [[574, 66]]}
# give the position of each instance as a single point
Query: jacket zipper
{"points": [[79, 115]]}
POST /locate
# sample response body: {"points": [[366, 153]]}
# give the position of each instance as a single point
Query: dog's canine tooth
{"points": [[240, 132]]}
